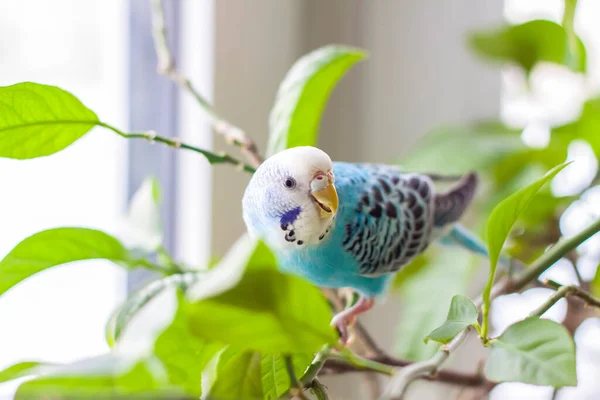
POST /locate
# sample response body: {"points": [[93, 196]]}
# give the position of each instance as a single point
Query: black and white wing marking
{"points": [[393, 221]]}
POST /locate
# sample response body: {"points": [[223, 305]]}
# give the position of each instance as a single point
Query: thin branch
{"points": [[399, 383], [575, 291], [336, 366], [562, 291], [211, 157], [319, 390], [166, 66]]}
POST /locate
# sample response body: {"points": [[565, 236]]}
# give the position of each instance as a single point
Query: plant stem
{"points": [[548, 259], [296, 387], [166, 66], [568, 24], [361, 363], [152, 137], [399, 383], [315, 366], [319, 390]]}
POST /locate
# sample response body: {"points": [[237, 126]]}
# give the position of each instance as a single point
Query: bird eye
{"points": [[289, 183]]}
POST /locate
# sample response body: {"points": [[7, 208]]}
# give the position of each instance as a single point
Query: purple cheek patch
{"points": [[290, 216]]}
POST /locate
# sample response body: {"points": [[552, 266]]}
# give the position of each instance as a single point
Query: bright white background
{"points": [[59, 315]]}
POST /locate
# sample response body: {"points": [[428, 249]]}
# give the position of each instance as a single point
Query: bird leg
{"points": [[345, 318]]}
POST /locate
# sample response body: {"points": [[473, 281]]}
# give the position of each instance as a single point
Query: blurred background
{"points": [[421, 78]]}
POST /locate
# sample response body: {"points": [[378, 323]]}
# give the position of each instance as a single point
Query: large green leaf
{"points": [[108, 376], [58, 246], [184, 356], [536, 351], [447, 271], [528, 44], [461, 314], [237, 375], [246, 302], [275, 377], [301, 98], [460, 149], [38, 120]]}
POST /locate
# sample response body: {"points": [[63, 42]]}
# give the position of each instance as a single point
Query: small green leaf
{"points": [[505, 214], [535, 351], [58, 246], [285, 315], [19, 370], [237, 376], [38, 120], [143, 227], [302, 96], [275, 378], [528, 44], [499, 225], [462, 313], [440, 283]]}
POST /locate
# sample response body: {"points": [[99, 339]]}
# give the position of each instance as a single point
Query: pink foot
{"points": [[345, 318]]}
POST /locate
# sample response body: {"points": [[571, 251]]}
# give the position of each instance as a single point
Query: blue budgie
{"points": [[341, 224]]}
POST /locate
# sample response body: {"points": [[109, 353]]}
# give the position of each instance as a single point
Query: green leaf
{"points": [[143, 227], [536, 351], [237, 376], [138, 299], [498, 227], [58, 246], [461, 314], [585, 128], [302, 96], [460, 149], [447, 271], [183, 355], [107, 376], [595, 284], [275, 378], [528, 44], [501, 221], [19, 370], [38, 120], [285, 315]]}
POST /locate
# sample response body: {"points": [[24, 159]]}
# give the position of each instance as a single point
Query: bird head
{"points": [[291, 200]]}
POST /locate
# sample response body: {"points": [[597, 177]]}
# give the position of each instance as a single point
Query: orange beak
{"points": [[323, 191]]}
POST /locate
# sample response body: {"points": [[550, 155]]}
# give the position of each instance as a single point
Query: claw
{"points": [[346, 318]]}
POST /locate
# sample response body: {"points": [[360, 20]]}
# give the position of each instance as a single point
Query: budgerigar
{"points": [[341, 224]]}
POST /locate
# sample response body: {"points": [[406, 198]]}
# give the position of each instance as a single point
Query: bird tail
{"points": [[451, 205]]}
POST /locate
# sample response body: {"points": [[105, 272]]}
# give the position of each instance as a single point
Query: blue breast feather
{"points": [[383, 221]]}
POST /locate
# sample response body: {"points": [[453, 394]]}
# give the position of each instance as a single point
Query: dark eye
{"points": [[289, 182]]}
